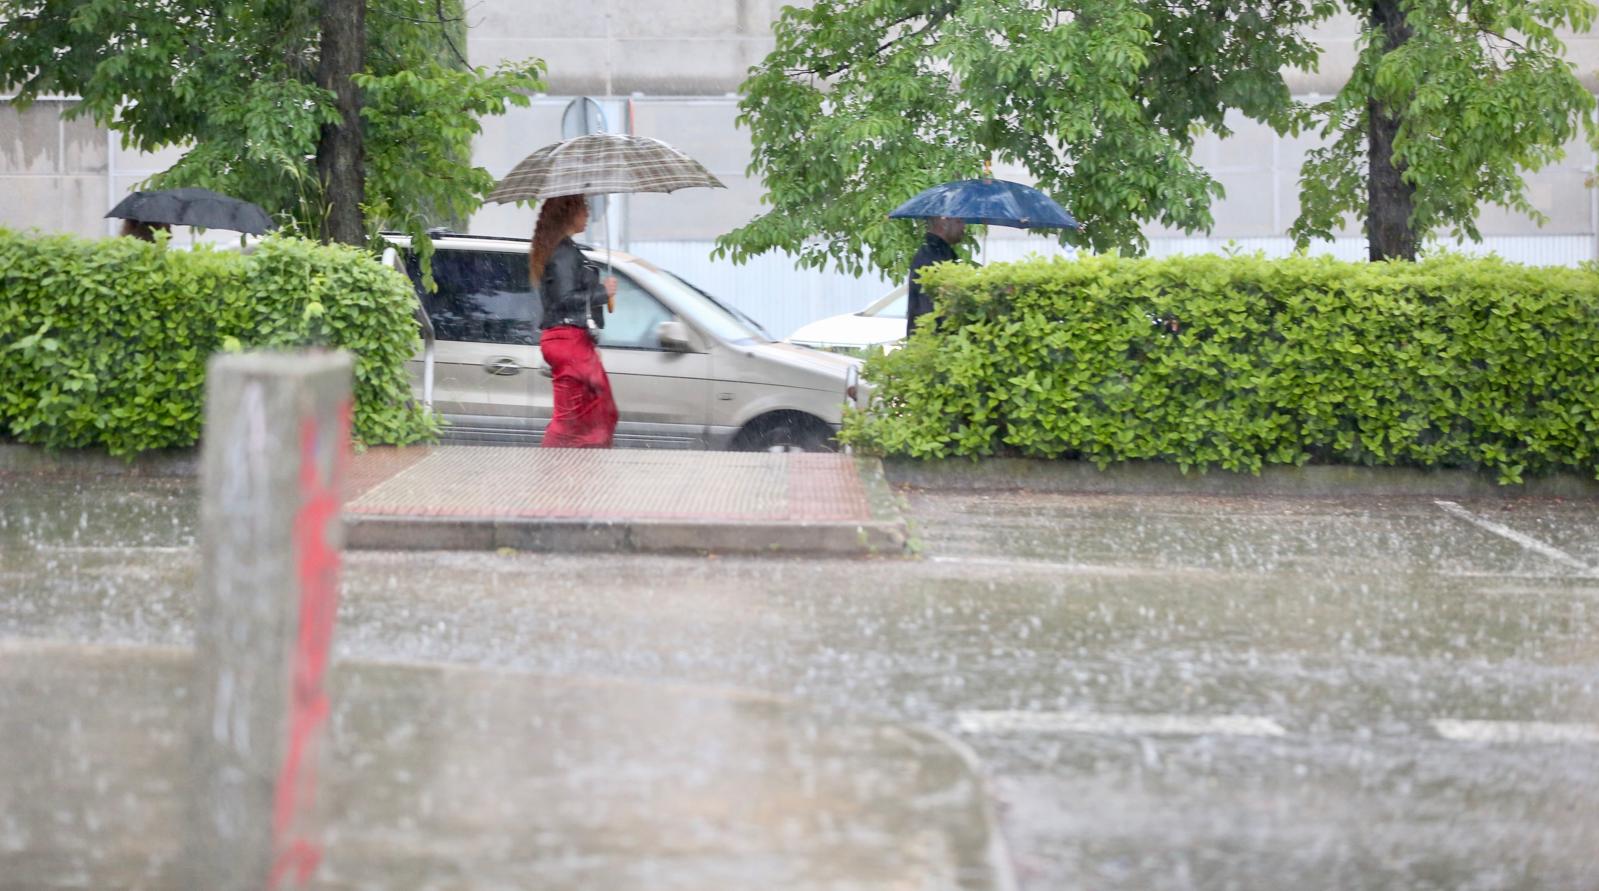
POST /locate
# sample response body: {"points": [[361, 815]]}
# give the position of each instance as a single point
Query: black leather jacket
{"points": [[571, 289]]}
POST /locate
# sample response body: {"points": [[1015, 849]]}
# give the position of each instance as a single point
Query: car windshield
{"points": [[733, 311], [713, 316]]}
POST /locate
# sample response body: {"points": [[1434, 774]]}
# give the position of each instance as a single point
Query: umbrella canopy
{"points": [[202, 208], [995, 202], [601, 163]]}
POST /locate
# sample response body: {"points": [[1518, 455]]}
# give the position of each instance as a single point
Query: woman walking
{"points": [[585, 412]]}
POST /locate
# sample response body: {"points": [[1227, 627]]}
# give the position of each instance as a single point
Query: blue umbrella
{"points": [[995, 202]]}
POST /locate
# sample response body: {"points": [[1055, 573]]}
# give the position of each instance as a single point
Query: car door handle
{"points": [[502, 366], [547, 373]]}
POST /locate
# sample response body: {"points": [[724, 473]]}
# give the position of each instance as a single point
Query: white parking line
{"points": [[1116, 725], [1526, 541], [1516, 731], [1026, 563], [116, 549], [1455, 730]]}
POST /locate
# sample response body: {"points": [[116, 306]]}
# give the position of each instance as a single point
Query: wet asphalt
{"points": [[1164, 692]]}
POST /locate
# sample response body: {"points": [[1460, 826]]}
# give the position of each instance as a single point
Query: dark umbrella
{"points": [[201, 208], [995, 202]]}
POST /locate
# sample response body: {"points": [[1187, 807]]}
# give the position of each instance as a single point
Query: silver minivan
{"points": [[688, 371]]}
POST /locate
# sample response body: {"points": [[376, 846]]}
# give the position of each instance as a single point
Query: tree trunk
{"points": [[1389, 199], [339, 154]]}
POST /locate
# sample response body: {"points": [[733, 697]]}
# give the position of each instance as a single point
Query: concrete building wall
{"points": [[59, 174], [619, 47], [52, 170], [671, 69], [706, 47]]}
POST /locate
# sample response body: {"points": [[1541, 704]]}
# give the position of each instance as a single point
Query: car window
{"points": [[483, 297], [638, 315]]}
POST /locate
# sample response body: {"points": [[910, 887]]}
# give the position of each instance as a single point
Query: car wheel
{"points": [[785, 432]]}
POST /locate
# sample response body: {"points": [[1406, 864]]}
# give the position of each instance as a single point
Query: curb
{"points": [[32, 459], [564, 535], [1157, 478]]}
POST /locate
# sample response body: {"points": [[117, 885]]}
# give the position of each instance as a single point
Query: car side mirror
{"points": [[673, 336]]}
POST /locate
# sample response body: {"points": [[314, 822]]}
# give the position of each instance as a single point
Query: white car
{"points": [[880, 324], [687, 370]]}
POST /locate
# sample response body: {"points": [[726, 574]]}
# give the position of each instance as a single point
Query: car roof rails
{"points": [[447, 232]]}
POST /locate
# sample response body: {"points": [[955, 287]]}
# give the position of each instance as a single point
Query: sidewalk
{"points": [[464, 778], [622, 500]]}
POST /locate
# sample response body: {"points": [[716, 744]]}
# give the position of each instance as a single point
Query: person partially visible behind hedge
{"points": [[143, 231]]}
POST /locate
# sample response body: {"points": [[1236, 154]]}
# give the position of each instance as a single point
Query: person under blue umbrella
{"points": [[942, 233], [948, 207]]}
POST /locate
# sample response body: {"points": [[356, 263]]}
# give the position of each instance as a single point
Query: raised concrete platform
{"points": [[490, 497], [447, 777]]}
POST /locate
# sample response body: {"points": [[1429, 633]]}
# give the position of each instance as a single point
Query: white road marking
{"points": [[1526, 541], [1516, 731], [116, 549], [1027, 563], [1511, 576], [1117, 725]]}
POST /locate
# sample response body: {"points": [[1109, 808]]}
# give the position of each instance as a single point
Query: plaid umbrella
{"points": [[599, 164]]}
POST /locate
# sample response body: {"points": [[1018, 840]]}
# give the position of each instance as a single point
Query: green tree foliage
{"points": [[1239, 362], [1473, 92], [863, 103], [104, 341], [235, 83]]}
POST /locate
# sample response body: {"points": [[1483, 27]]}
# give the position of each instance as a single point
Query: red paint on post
{"points": [[296, 849]]}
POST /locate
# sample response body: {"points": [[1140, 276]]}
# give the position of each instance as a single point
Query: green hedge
{"points": [[104, 342], [1450, 362]]}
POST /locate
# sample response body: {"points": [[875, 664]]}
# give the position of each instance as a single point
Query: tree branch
{"points": [[441, 20], [438, 5], [934, 19], [414, 19]]}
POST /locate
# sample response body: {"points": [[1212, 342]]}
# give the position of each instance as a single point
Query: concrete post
{"points": [[276, 441]]}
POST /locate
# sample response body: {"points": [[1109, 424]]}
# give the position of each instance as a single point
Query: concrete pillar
{"points": [[276, 442]]}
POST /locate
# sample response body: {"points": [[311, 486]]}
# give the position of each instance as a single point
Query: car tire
{"points": [[785, 432]]}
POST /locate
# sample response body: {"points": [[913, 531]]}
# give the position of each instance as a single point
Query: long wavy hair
{"points": [[555, 223]]}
